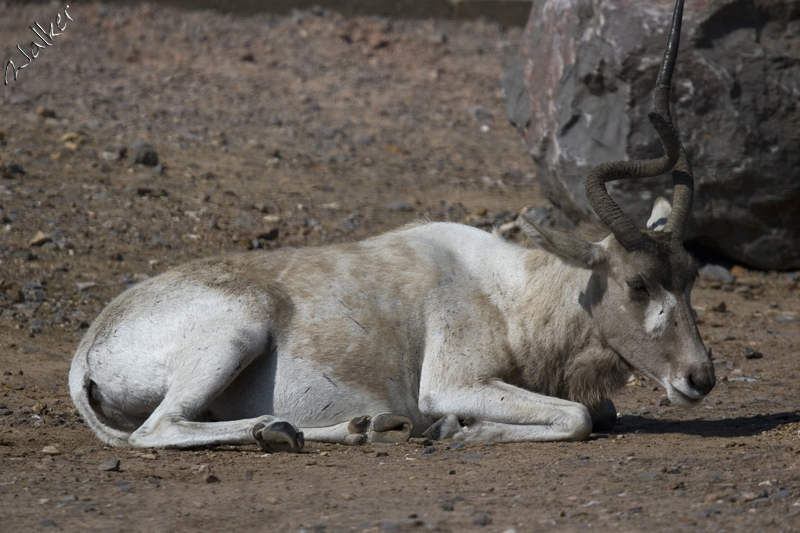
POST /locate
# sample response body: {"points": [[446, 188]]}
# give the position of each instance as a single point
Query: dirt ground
{"points": [[301, 131]]}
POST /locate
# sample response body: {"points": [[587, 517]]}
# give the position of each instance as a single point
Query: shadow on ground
{"points": [[744, 426]]}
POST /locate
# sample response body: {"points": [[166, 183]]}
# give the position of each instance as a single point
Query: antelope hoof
{"points": [[604, 417], [358, 428], [278, 436], [387, 428], [445, 428]]}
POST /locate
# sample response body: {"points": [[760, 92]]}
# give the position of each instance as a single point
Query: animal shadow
{"points": [[741, 426]]}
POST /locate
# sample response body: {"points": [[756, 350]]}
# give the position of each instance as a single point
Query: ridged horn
{"points": [[621, 225]]}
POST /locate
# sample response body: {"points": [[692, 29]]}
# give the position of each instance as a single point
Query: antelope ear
{"points": [[567, 247], [660, 215]]}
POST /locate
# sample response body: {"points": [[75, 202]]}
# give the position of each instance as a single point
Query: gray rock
{"points": [[400, 206], [483, 519], [648, 476], [114, 153], [111, 465], [589, 69], [717, 273], [145, 154], [8, 170], [749, 353]]}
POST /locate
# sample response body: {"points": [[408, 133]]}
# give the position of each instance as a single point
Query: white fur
{"points": [[659, 314]]}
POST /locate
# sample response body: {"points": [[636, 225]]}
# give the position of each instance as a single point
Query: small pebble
{"points": [[747, 497], [46, 112], [211, 478], [39, 239], [749, 353], [145, 154], [482, 520], [717, 273], [400, 206], [51, 450], [9, 169], [111, 465]]}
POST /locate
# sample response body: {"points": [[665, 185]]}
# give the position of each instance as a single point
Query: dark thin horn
{"points": [[622, 226], [682, 178], [668, 62]]}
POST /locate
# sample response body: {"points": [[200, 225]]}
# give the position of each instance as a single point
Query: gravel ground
{"points": [[302, 131]]}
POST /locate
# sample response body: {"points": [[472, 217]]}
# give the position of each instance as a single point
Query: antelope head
{"points": [[638, 293]]}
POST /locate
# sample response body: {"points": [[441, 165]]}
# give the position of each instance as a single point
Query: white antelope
{"points": [[439, 326]]}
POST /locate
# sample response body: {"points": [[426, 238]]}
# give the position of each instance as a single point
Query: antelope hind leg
{"points": [[384, 428]]}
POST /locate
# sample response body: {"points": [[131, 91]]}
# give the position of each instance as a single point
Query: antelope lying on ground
{"points": [[438, 326]]}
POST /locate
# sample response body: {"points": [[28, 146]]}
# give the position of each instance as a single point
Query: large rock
{"points": [[582, 90]]}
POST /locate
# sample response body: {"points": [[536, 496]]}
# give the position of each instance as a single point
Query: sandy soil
{"points": [[302, 131]]}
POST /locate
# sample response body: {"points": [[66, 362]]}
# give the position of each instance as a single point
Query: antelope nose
{"points": [[702, 378]]}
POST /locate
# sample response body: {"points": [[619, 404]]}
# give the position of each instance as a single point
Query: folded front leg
{"points": [[499, 412]]}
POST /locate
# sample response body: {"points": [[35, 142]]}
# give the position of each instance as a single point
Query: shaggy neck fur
{"points": [[559, 350]]}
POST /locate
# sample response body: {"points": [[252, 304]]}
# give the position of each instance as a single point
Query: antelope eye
{"points": [[637, 285]]}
